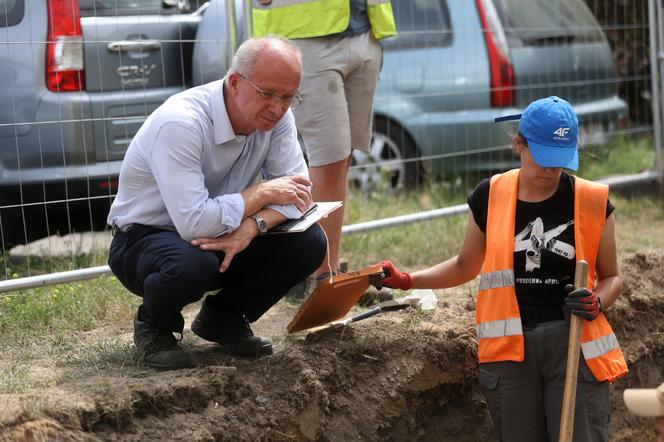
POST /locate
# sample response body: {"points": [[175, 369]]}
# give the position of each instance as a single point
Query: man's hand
{"points": [[287, 190], [395, 278], [583, 302], [231, 243]]}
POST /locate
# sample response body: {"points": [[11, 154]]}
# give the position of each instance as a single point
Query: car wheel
{"points": [[390, 162]]}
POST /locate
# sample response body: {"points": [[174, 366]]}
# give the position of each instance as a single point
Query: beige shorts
{"points": [[338, 85]]}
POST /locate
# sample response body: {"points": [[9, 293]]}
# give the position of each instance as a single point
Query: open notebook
{"points": [[311, 216]]}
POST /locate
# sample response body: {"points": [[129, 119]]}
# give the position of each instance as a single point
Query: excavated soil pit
{"points": [[399, 376]]}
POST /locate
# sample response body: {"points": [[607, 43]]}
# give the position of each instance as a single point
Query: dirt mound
{"points": [[400, 376], [638, 320]]}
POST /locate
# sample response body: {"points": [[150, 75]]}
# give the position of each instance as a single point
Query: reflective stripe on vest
{"points": [[317, 18], [600, 346], [494, 280], [498, 329], [497, 308]]}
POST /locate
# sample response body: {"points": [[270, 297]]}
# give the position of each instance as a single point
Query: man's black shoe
{"points": [[159, 349], [230, 330]]}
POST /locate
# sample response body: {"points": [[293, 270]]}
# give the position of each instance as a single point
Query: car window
{"points": [[420, 23], [11, 12], [115, 8], [546, 22]]}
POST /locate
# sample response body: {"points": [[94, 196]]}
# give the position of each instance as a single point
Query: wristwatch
{"points": [[260, 223]]}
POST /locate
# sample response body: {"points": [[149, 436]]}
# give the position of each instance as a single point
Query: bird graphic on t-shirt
{"points": [[533, 239]]}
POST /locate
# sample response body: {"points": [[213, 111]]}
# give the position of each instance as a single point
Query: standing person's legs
{"points": [[338, 85], [592, 408], [322, 120], [360, 87], [330, 185]]}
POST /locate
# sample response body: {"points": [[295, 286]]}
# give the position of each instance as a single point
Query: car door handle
{"points": [[134, 45]]}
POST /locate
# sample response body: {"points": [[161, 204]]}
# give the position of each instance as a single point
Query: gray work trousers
{"points": [[525, 398]]}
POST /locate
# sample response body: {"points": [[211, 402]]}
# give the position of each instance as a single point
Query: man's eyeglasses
{"points": [[284, 100]]}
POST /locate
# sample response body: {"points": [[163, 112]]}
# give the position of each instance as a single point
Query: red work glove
{"points": [[395, 278], [583, 302]]}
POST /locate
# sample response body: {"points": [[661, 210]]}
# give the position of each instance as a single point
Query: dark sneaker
{"points": [[230, 330], [159, 349]]}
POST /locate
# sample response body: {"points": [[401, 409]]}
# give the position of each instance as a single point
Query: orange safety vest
{"points": [[497, 317]]}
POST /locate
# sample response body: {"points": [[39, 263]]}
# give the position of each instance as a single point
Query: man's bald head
{"points": [[272, 46]]}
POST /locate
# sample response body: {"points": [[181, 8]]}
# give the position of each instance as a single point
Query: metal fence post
{"points": [[231, 31], [654, 18], [248, 19]]}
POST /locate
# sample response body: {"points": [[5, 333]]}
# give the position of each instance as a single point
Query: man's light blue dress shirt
{"points": [[185, 167]]}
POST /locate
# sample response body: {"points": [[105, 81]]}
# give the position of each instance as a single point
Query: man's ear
{"points": [[233, 80]]}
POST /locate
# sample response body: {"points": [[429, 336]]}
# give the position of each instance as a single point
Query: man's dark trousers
{"points": [[170, 273]]}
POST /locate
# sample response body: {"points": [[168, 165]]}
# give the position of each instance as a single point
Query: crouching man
{"points": [[189, 217]]}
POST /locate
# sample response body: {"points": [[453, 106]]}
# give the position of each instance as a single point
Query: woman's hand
{"points": [[395, 278], [583, 302]]}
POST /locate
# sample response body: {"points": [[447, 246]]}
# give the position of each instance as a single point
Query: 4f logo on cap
{"points": [[561, 132]]}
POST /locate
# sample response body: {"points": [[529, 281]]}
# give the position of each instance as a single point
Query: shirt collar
{"points": [[223, 129]]}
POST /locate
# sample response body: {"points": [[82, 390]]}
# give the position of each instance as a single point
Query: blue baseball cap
{"points": [[552, 128]]}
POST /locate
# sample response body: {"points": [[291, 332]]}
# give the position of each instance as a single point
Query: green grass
{"points": [[75, 306], [621, 156], [45, 328], [107, 354]]}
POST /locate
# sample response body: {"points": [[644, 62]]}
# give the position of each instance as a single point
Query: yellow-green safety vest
{"points": [[317, 18]]}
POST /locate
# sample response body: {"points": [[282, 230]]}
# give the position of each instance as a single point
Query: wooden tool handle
{"points": [[571, 372]]}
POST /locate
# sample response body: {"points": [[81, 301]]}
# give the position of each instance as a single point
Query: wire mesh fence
{"points": [[80, 76]]}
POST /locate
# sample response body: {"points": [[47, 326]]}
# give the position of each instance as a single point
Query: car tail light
{"points": [[64, 49], [109, 184], [502, 74]]}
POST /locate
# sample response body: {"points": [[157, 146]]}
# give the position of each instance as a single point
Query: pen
{"points": [[308, 212]]}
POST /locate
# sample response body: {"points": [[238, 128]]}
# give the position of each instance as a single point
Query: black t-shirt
{"points": [[544, 246]]}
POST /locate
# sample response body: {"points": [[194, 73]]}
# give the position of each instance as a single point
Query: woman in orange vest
{"points": [[526, 230]]}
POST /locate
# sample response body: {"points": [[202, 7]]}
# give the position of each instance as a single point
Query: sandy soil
{"points": [[399, 376]]}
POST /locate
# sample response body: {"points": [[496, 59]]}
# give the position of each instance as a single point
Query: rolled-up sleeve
{"points": [[285, 158], [232, 209], [176, 160]]}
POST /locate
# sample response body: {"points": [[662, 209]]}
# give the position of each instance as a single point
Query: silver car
{"points": [[458, 64], [78, 80]]}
